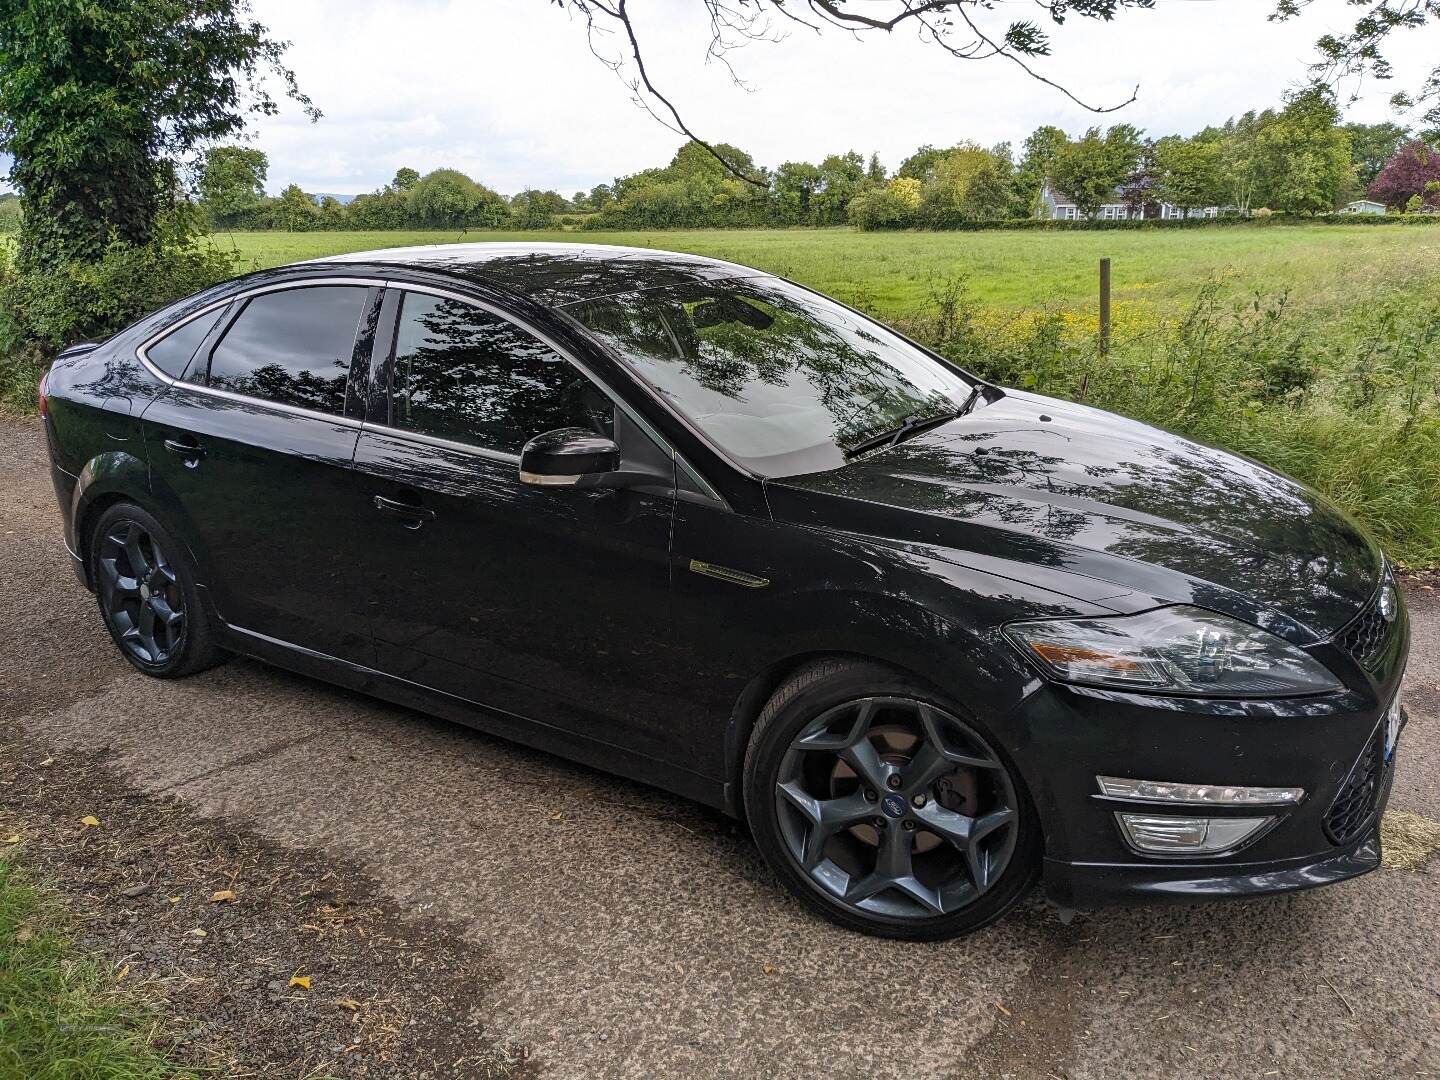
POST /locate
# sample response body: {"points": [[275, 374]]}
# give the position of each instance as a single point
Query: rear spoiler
{"points": [[79, 349]]}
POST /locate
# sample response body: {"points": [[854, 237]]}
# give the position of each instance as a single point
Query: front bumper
{"points": [[1074, 735], [1092, 885]]}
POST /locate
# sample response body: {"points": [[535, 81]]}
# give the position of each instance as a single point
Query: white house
{"points": [[1058, 206], [1363, 206]]}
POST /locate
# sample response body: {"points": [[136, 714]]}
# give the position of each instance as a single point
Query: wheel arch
{"points": [[106, 479], [761, 688]]}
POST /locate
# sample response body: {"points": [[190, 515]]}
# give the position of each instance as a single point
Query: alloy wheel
{"points": [[140, 593], [895, 807]]}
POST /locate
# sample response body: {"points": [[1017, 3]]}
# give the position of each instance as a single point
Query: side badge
{"points": [[724, 573]]}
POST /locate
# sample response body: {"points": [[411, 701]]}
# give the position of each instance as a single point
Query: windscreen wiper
{"points": [[914, 424]]}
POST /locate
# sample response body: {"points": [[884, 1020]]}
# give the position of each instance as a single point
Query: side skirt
{"points": [[520, 729]]}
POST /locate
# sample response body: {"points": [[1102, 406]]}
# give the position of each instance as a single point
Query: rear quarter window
{"points": [[173, 352]]}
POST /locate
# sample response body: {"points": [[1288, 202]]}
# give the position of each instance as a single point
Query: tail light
{"points": [[40, 401]]}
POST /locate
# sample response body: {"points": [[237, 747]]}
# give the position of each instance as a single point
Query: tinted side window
{"points": [[466, 375], [293, 347], [172, 353]]}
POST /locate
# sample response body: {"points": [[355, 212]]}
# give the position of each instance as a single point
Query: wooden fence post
{"points": [[1104, 306]]}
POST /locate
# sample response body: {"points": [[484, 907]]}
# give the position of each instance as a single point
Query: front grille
{"points": [[1355, 803], [1365, 635]]}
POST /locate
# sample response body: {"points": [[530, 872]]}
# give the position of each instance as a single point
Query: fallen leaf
{"points": [[302, 981], [197, 932], [557, 816], [120, 975], [223, 896], [348, 1003], [23, 933], [173, 899], [89, 822], [769, 969], [46, 763], [11, 839], [1002, 1008]]}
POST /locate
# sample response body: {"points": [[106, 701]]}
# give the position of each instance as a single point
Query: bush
{"points": [[42, 312]]}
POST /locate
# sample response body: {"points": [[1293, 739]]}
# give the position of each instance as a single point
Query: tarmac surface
{"points": [[635, 934]]}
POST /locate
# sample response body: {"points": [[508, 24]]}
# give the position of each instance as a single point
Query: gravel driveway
{"points": [[629, 933]]}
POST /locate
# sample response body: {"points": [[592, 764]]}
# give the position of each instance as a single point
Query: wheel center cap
{"points": [[144, 591], [894, 805]]}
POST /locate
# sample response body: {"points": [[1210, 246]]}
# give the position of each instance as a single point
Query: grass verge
{"points": [[61, 1017]]}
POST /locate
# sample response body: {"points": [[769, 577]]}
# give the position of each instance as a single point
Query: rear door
{"points": [[548, 602], [252, 447]]}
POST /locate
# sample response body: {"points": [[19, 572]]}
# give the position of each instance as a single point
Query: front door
{"points": [[547, 602], [252, 451]]}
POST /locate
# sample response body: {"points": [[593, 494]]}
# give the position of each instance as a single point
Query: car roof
{"points": [[551, 273]]}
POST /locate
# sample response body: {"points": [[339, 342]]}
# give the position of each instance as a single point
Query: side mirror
{"points": [[564, 457]]}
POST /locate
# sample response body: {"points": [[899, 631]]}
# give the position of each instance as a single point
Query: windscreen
{"points": [[784, 381]]}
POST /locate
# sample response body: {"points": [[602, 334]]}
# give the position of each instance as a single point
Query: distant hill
{"points": [[341, 199]]}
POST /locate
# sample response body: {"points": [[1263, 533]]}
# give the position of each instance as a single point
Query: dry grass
{"points": [[1407, 840]]}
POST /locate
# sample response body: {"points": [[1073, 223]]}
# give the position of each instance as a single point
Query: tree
{"points": [[601, 196], [1371, 146], [448, 199], [1140, 191], [1305, 156], [295, 211], [1241, 162], [894, 206], [842, 177], [967, 183], [383, 209], [1360, 52], [405, 179], [1091, 168], [533, 209], [1037, 163], [795, 183], [98, 102], [875, 172], [1412, 174], [232, 184], [1191, 172], [921, 164]]}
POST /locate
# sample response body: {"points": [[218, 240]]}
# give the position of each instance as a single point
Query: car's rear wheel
{"points": [[884, 810], [145, 585]]}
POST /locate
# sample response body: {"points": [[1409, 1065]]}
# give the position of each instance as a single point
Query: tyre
{"points": [[145, 584], [883, 809]]}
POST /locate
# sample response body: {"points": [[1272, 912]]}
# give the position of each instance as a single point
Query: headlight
{"points": [[1181, 650]]}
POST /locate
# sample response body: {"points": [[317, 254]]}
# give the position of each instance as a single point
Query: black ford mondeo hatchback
{"points": [[694, 524]]}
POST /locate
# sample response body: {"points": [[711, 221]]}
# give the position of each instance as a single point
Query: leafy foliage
{"points": [[1091, 168], [97, 101], [232, 184], [1413, 173]]}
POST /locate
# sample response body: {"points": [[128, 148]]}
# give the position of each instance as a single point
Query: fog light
{"points": [[1187, 835], [1199, 794]]}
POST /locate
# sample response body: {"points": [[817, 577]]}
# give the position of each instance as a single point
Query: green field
{"points": [[890, 274]]}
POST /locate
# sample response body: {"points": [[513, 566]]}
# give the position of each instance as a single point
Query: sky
{"points": [[509, 92]]}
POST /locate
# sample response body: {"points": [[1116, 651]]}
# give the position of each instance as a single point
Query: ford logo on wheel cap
{"points": [[894, 805]]}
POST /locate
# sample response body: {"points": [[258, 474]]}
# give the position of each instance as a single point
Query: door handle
{"points": [[188, 450], [411, 515]]}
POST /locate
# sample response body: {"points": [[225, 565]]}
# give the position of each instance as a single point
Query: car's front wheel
{"points": [[146, 588], [882, 809]]}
